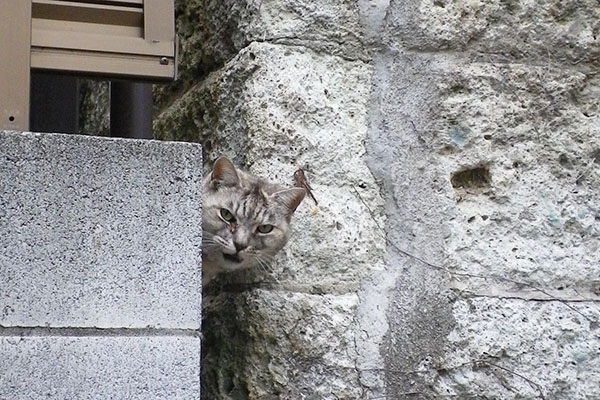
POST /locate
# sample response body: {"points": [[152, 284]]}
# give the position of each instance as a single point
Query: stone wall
{"points": [[100, 268], [454, 150]]}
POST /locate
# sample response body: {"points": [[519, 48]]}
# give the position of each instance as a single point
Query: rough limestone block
{"points": [[534, 216], [304, 350], [99, 232], [99, 368], [212, 32], [228, 26], [528, 223], [549, 31], [515, 349]]}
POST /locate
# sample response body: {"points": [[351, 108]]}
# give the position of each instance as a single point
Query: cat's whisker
{"points": [[262, 267], [267, 257], [208, 241], [262, 259], [257, 260], [266, 267]]}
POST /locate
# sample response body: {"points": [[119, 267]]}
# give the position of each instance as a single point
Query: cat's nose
{"points": [[239, 246]]}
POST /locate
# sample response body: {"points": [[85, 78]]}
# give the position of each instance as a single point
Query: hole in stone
{"points": [[471, 219], [564, 161], [485, 217], [472, 178], [458, 88], [447, 150], [487, 137]]}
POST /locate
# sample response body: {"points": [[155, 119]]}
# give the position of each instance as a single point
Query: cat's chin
{"points": [[232, 258], [234, 262]]}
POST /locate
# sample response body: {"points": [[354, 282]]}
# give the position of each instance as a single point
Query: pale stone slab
{"points": [[99, 368], [538, 348], [305, 350], [98, 232]]}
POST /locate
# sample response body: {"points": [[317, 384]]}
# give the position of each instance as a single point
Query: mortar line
{"points": [[41, 331]]}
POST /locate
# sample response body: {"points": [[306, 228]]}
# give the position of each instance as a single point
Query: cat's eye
{"points": [[264, 228], [227, 215]]}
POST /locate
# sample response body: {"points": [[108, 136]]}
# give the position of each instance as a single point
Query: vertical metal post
{"points": [[15, 62], [54, 103], [131, 110]]}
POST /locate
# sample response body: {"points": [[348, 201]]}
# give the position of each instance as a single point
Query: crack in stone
{"points": [[494, 291], [526, 298], [306, 43]]}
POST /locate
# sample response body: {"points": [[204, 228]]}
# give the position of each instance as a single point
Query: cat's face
{"points": [[245, 220]]}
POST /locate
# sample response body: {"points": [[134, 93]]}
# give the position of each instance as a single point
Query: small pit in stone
{"points": [[477, 178], [564, 161]]}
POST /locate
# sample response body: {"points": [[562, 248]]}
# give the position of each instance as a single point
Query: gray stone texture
{"points": [[99, 232], [100, 268], [94, 107], [453, 147], [99, 368]]}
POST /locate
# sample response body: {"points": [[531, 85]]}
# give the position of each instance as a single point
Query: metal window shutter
{"points": [[112, 38]]}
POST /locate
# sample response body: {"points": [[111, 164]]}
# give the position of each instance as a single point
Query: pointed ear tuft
{"points": [[224, 173], [291, 198]]}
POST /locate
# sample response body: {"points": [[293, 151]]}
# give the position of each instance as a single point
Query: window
{"points": [[131, 39]]}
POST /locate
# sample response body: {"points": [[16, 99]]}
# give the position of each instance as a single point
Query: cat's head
{"points": [[245, 220]]}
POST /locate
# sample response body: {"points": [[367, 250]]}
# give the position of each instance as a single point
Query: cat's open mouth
{"points": [[232, 257]]}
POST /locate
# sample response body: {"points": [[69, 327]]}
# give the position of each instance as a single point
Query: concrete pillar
{"points": [[100, 246]]}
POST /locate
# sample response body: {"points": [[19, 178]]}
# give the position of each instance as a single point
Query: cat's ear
{"points": [[291, 198], [224, 173]]}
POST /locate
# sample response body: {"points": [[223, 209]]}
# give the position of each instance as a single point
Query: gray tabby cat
{"points": [[245, 220]]}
